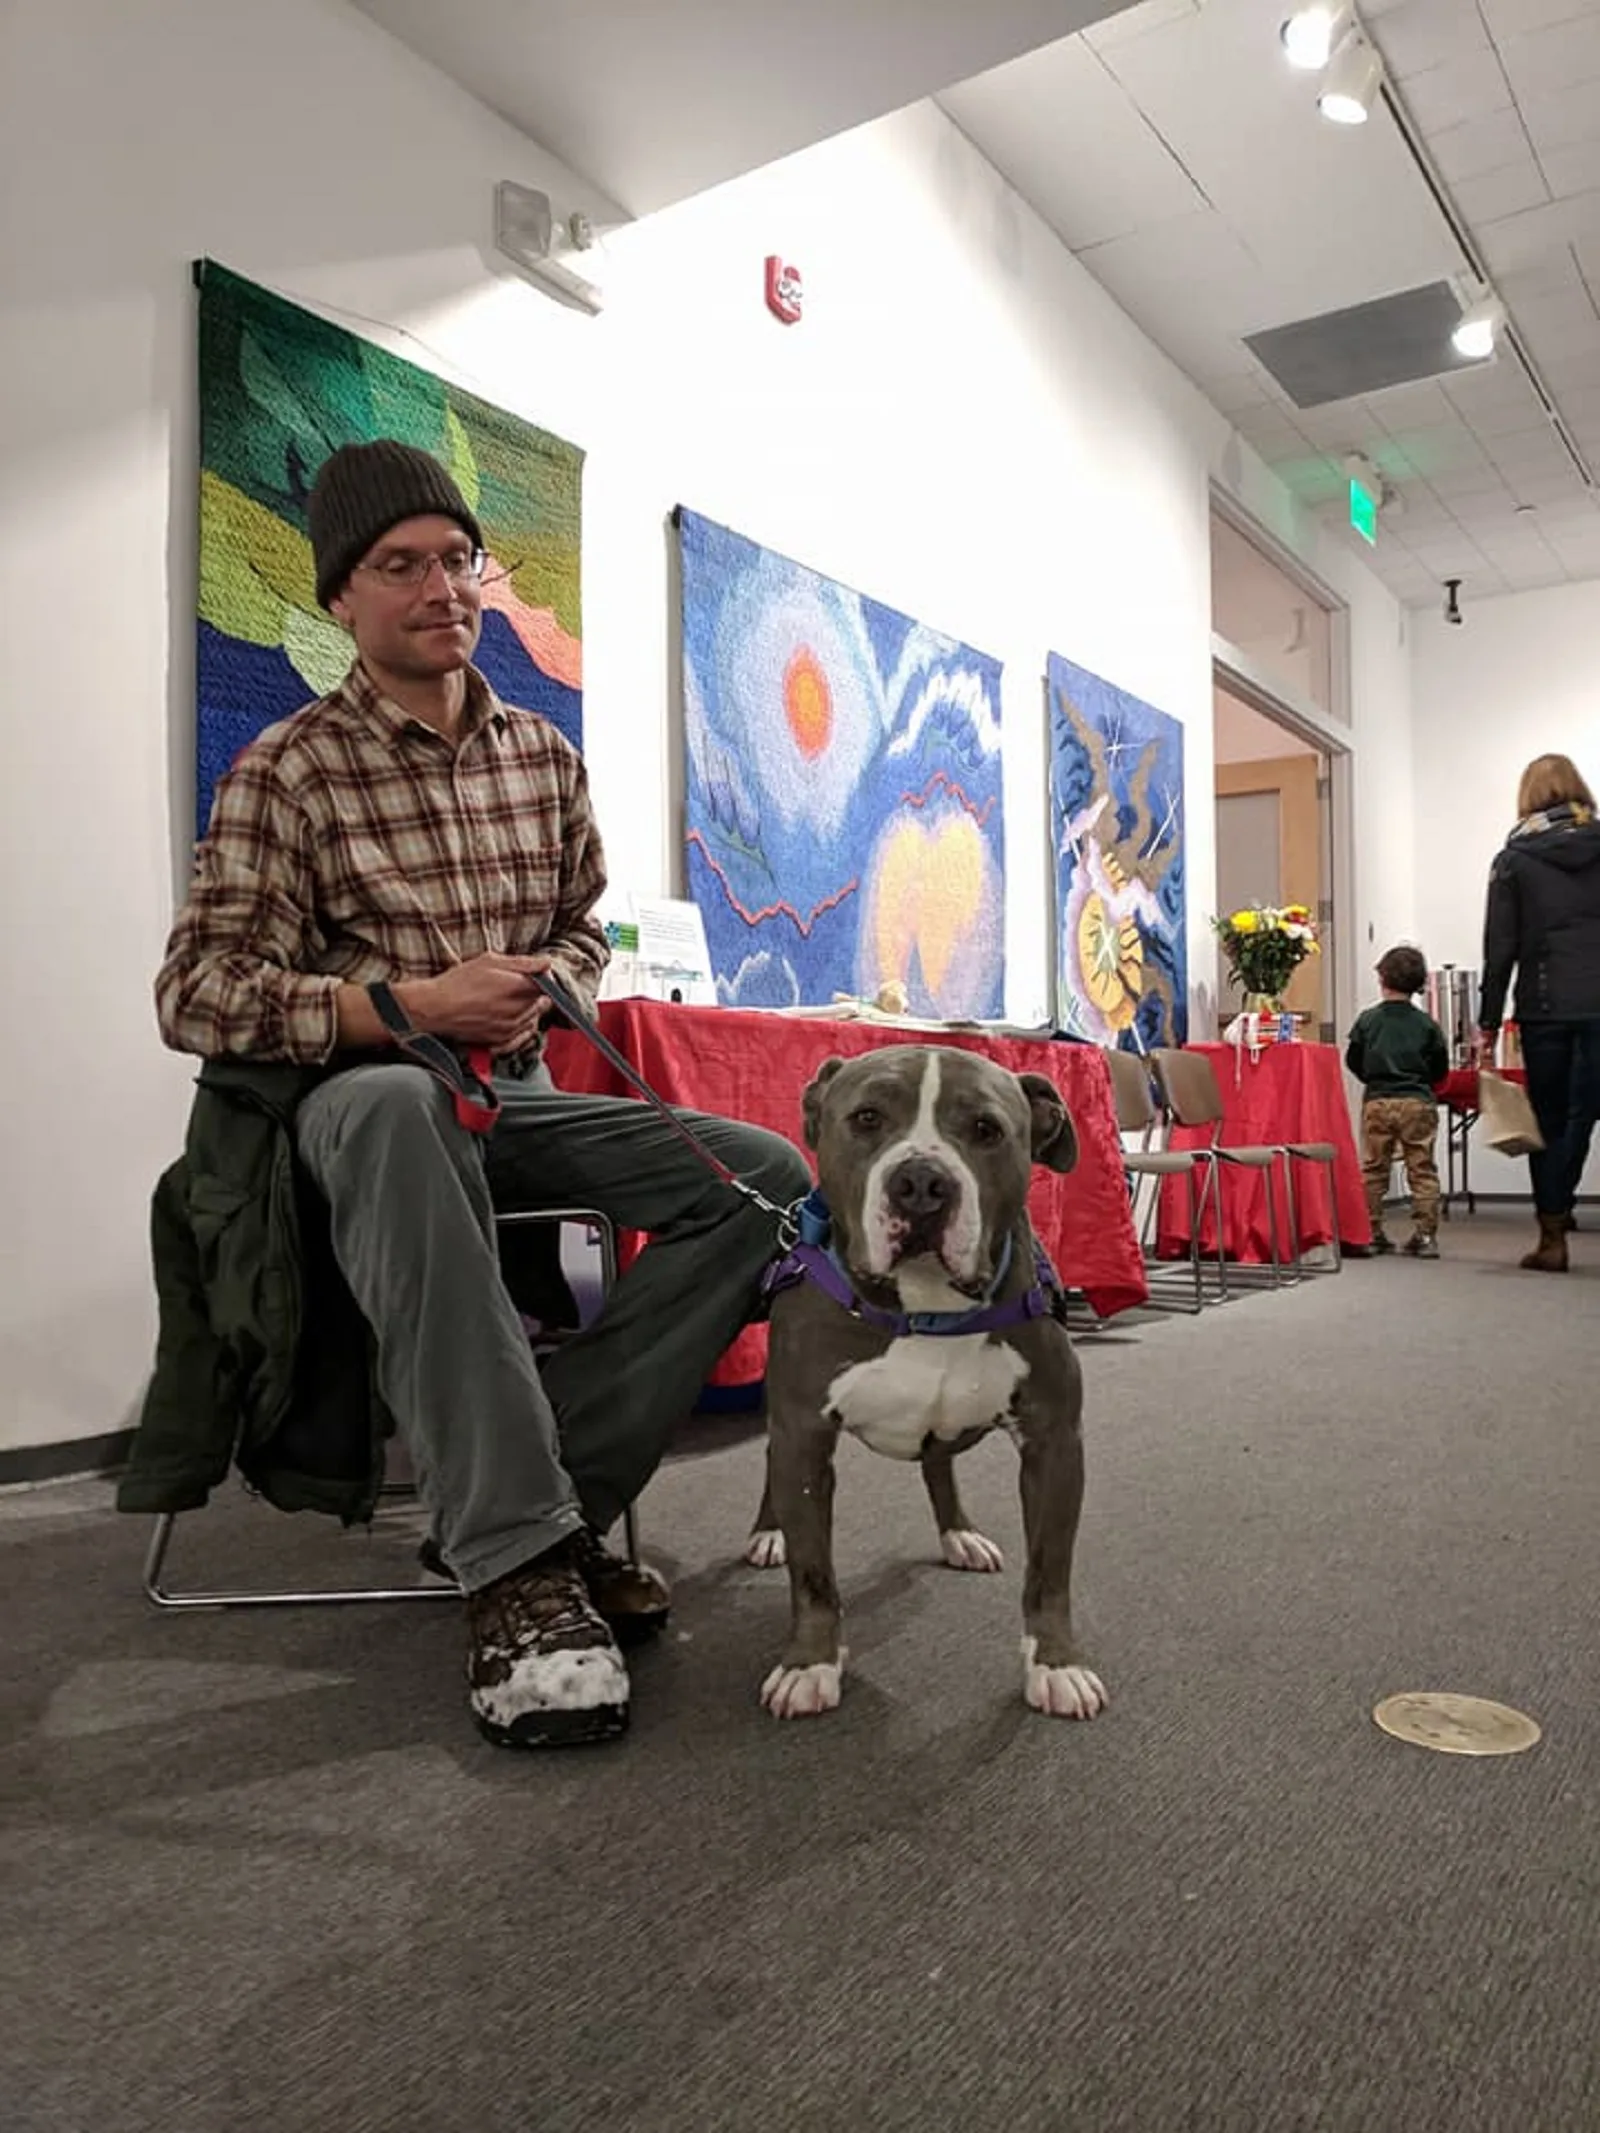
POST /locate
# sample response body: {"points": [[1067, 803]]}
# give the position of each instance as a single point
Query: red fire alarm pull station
{"points": [[784, 293]]}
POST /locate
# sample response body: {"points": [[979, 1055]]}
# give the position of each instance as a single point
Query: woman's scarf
{"points": [[1570, 814]]}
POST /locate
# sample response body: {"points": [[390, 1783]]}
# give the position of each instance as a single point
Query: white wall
{"points": [[964, 426], [1519, 677], [1385, 791]]}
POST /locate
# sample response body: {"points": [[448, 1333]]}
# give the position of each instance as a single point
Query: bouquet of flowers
{"points": [[1265, 946]]}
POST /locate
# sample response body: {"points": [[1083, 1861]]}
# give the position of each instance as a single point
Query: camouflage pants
{"points": [[1407, 1126]]}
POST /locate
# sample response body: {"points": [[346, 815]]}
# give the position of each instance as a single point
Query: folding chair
{"points": [[1136, 1113], [602, 1234], [1191, 1096]]}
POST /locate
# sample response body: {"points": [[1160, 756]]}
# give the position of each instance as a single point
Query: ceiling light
{"points": [[1474, 336], [1351, 83], [1309, 35]]}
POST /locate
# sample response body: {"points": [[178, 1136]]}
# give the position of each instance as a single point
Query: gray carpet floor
{"points": [[258, 1872]]}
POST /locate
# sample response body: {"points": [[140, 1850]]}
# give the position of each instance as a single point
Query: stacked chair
{"points": [[1137, 1114], [1191, 1097]]}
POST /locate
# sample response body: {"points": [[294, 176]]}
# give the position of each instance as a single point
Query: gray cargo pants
{"points": [[507, 1459]]}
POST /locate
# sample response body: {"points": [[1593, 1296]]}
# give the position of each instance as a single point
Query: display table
{"points": [[755, 1067], [1291, 1092], [1458, 1097]]}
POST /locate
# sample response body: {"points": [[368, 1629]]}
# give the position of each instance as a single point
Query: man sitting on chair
{"points": [[411, 832]]}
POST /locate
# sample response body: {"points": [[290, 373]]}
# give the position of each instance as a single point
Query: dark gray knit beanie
{"points": [[362, 490]]}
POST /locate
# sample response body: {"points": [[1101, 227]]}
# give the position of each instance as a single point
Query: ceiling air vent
{"points": [[1343, 354]]}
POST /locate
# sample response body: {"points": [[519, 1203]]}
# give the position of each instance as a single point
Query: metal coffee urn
{"points": [[1452, 1000]]}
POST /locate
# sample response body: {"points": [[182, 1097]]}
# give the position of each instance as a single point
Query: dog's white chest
{"points": [[926, 1385]]}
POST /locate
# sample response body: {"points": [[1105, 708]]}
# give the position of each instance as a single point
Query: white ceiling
{"points": [[1186, 164], [652, 100]]}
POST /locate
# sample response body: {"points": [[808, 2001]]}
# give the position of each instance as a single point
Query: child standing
{"points": [[1398, 1053]]}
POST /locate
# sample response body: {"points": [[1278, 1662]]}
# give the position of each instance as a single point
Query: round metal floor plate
{"points": [[1456, 1725]]}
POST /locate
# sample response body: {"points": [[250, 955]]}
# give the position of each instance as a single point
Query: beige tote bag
{"points": [[1505, 1116]]}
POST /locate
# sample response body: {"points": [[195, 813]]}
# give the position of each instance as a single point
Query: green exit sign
{"points": [[1364, 512]]}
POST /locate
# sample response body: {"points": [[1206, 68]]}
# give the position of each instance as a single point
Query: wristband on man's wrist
{"points": [[396, 1022]]}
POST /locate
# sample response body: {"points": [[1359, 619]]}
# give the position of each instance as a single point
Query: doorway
{"points": [[1273, 797]]}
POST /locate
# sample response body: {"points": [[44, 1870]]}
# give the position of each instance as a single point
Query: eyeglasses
{"points": [[461, 566]]}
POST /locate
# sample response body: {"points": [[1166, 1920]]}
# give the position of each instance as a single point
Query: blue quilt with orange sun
{"points": [[842, 789]]}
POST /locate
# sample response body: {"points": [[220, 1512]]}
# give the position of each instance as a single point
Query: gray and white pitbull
{"points": [[923, 1156]]}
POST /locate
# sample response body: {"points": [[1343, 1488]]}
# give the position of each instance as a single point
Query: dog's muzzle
{"points": [[922, 1198]]}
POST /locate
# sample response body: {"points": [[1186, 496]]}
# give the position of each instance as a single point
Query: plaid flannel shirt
{"points": [[352, 843]]}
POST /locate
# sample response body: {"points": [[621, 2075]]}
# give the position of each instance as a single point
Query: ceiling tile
{"points": [[1516, 419], [1551, 273], [1539, 315], [1138, 22], [1511, 18], [1559, 117], [1338, 428], [1524, 546], [1530, 452], [1531, 577], [1019, 116], [1575, 342], [1579, 556], [1497, 384], [1459, 553], [1232, 392], [1423, 522], [1489, 497], [1550, 492], [1405, 406], [1499, 193], [1577, 509], [1439, 448], [1581, 403], [1480, 144], [1564, 372], [1540, 232], [1457, 482], [1428, 33], [1555, 58], [1574, 169], [1465, 88]]}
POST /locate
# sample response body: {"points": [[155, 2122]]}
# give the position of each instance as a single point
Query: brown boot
{"points": [[1551, 1255]]}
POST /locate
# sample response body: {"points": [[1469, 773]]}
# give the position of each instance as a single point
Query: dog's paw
{"points": [[803, 1691], [966, 1550], [765, 1549], [1061, 1691]]}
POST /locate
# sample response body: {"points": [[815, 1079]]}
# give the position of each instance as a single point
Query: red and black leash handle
{"points": [[467, 1075]]}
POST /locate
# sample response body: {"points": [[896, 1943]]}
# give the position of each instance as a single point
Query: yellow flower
{"points": [[1244, 922]]}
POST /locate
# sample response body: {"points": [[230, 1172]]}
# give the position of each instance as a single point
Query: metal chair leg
{"points": [[1295, 1260], [160, 1595]]}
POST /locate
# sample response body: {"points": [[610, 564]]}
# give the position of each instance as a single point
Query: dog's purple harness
{"points": [[811, 1257]]}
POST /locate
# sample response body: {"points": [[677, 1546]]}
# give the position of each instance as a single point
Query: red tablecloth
{"points": [[1459, 1089], [755, 1066], [1292, 1092]]}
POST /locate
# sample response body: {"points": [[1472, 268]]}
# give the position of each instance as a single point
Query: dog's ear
{"points": [[1055, 1140], [811, 1102]]}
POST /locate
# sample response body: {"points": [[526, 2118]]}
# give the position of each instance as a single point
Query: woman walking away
{"points": [[1543, 920]]}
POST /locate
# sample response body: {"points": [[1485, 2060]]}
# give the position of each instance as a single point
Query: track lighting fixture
{"points": [[1351, 83], [1473, 336], [1311, 33]]}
